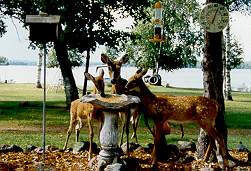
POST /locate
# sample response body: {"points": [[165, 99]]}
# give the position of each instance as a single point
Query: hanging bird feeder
{"points": [[158, 23]]}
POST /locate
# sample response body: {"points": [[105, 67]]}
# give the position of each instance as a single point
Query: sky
{"points": [[14, 44]]}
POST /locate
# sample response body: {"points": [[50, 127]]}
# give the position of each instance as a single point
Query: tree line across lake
{"points": [[6, 61]]}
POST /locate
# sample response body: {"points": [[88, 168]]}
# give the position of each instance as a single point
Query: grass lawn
{"points": [[21, 117]]}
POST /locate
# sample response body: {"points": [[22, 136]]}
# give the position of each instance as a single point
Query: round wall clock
{"points": [[214, 17]]}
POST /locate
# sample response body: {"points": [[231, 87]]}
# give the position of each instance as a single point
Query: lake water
{"points": [[185, 78]]}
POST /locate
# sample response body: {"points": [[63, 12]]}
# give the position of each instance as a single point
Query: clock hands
{"points": [[214, 15]]}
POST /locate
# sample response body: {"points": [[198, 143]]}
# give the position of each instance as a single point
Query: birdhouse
{"points": [[43, 28]]}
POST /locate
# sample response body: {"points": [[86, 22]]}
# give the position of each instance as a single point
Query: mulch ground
{"points": [[56, 160]]}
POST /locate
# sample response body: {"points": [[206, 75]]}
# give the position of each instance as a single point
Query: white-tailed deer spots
{"points": [[80, 111], [200, 110]]}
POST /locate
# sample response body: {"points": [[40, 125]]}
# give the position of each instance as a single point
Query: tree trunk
{"points": [[213, 83], [163, 153], [70, 87], [223, 45], [228, 91], [86, 70], [39, 68]]}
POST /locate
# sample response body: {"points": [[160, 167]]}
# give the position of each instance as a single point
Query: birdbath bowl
{"points": [[110, 105]]}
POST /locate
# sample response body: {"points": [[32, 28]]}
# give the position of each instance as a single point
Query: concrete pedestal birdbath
{"points": [[110, 105]]}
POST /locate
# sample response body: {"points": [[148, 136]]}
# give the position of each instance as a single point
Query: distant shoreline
{"points": [[183, 78], [245, 65]]}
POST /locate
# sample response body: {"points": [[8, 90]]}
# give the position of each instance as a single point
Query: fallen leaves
{"points": [[56, 160]]}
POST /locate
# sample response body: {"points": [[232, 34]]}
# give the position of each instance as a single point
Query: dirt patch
{"points": [[14, 127]]}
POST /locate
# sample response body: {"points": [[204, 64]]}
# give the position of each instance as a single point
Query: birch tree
{"points": [[227, 77], [233, 59], [244, 7], [39, 68]]}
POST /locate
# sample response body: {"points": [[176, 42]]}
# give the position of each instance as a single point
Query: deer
{"points": [[198, 109], [118, 87], [80, 111]]}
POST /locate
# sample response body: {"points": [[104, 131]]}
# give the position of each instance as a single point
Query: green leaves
{"points": [[183, 38], [234, 54], [86, 23]]}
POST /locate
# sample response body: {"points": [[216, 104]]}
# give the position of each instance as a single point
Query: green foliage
{"points": [[183, 39], [113, 53], [2, 27], [239, 5], [88, 24], [85, 24], [2, 17], [234, 54], [76, 58]]}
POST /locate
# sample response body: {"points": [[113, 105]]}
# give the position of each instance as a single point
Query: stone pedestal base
{"points": [[109, 141], [110, 105]]}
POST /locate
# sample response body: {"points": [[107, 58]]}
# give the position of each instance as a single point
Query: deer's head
{"points": [[114, 66], [98, 82], [133, 86]]}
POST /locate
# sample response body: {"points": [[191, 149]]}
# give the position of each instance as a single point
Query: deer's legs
{"points": [[182, 130], [127, 131], [125, 127], [90, 138], [123, 117], [134, 135], [209, 148], [219, 138], [157, 132], [148, 126], [77, 129], [77, 134], [67, 138], [135, 121], [72, 125]]}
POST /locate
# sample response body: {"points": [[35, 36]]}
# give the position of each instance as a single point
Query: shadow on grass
{"points": [[31, 110]]}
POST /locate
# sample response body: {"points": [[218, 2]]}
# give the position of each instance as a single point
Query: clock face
{"points": [[214, 17]]}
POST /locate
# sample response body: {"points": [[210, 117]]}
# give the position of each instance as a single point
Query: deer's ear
{"points": [[89, 76], [104, 58], [124, 59], [101, 73], [141, 73]]}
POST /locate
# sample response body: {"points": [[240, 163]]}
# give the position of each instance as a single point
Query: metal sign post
{"points": [[43, 29], [44, 104]]}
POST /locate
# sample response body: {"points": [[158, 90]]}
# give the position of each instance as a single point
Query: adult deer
{"points": [[118, 87], [200, 110], [80, 111]]}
